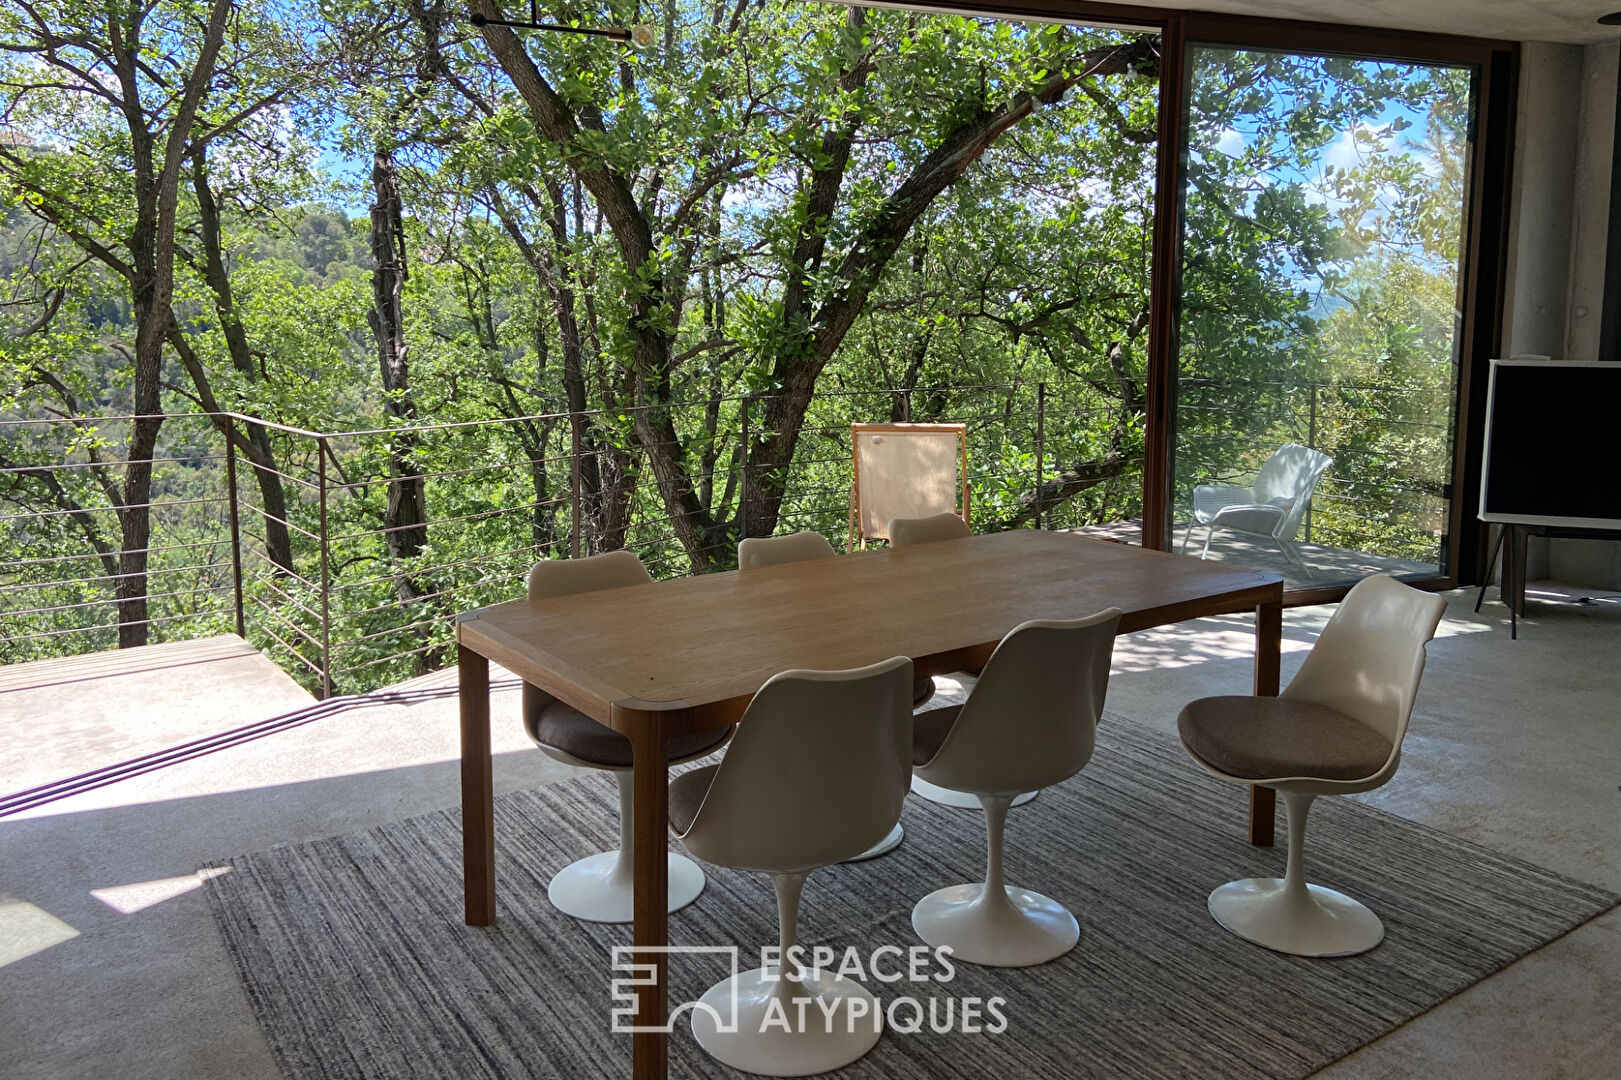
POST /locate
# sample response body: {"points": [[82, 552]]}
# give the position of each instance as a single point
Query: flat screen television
{"points": [[1552, 454]]}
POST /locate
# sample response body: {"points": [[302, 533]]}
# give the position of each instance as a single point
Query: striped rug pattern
{"points": [[354, 956]]}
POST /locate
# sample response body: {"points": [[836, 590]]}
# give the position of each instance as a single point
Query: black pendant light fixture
{"points": [[640, 37]]}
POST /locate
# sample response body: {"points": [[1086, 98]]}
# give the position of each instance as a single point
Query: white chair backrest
{"points": [[905, 471], [1031, 719], [815, 774], [762, 551], [561, 577], [1287, 480], [1369, 658], [904, 532]]}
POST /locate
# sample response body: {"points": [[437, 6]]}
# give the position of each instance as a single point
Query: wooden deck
{"points": [[1326, 565]]}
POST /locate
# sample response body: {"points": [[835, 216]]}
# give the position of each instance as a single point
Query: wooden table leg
{"points": [[650, 793], [478, 790], [1268, 672]]}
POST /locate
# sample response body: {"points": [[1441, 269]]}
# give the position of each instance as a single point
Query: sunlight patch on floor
{"points": [[1161, 650], [140, 895], [26, 929], [1454, 628]]}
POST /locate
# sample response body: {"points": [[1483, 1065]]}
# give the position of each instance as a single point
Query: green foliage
{"points": [[1317, 303]]}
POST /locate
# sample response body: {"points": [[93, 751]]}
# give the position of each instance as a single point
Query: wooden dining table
{"points": [[670, 657]]}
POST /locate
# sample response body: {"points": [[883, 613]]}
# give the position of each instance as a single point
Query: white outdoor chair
{"points": [[905, 532], [905, 471], [816, 774], [1029, 723], [1336, 730], [1272, 508], [600, 888], [757, 552]]}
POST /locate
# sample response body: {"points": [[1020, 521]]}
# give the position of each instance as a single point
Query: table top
{"points": [[706, 644]]}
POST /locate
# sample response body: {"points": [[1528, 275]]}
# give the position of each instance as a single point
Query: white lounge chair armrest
{"points": [[1211, 499], [1234, 508]]}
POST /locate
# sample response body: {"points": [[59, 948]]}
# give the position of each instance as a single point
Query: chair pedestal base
{"points": [[884, 846], [841, 1022], [599, 888], [1025, 929], [961, 799], [1310, 922]]}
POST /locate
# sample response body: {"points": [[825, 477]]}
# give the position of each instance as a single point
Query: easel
{"points": [[1516, 536], [1509, 591]]}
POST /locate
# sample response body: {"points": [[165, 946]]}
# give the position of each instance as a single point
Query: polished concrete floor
{"points": [[111, 965]]}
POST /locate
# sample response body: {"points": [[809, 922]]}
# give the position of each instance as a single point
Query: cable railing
{"points": [[70, 579], [344, 555]]}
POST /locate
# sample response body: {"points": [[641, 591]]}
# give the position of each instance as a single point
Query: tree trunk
{"points": [[256, 445], [1071, 481], [135, 516], [805, 353], [404, 519], [607, 470], [151, 278]]}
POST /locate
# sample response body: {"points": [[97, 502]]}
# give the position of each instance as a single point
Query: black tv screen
{"points": [[1552, 456]]}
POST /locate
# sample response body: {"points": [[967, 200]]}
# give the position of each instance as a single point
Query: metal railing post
{"points": [[1041, 447], [326, 576], [1311, 444], [743, 475], [574, 421], [236, 530]]}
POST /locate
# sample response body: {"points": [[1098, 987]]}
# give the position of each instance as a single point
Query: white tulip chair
{"points": [[815, 775], [1337, 729], [600, 888], [1029, 722]]}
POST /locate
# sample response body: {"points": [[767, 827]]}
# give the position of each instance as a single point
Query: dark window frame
{"points": [[1484, 259]]}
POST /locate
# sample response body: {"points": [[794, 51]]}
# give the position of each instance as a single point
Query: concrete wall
{"points": [[1564, 143], [1590, 199], [1547, 131]]}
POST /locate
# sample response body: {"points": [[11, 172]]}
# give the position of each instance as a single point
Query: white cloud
{"points": [[1342, 153]]}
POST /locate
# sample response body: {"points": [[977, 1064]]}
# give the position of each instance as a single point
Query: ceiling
{"points": [[1572, 21]]}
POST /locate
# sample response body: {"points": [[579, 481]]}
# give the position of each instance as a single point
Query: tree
{"points": [[698, 265], [146, 89], [837, 235]]}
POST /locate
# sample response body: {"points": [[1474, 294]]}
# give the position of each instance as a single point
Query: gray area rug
{"points": [[356, 961]]}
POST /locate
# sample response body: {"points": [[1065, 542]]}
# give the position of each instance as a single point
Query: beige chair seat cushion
{"points": [[929, 731], [564, 728], [1268, 738], [687, 793]]}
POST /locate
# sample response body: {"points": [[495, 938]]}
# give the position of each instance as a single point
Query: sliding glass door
{"points": [[1319, 328]]}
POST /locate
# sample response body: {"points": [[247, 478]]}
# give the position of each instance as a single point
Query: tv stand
{"points": [[1513, 537]]}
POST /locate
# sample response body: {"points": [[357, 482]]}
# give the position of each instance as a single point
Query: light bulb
{"points": [[641, 36]]}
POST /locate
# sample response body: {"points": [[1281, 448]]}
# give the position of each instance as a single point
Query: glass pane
{"points": [[1317, 365]]}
